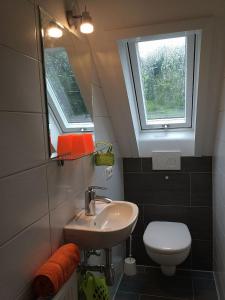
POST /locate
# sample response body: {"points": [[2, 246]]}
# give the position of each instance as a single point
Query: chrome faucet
{"points": [[91, 197]]}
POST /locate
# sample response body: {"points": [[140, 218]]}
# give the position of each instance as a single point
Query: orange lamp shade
{"points": [[72, 146]]}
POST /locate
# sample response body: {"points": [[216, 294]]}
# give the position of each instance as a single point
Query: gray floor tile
{"points": [[126, 296], [204, 289], [154, 283], [146, 297], [202, 274], [150, 284]]}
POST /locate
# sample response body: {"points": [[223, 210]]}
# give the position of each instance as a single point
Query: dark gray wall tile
{"points": [[202, 255], [188, 164], [139, 228], [132, 165], [201, 189], [201, 223], [157, 188], [197, 164], [187, 264], [166, 213], [146, 164]]}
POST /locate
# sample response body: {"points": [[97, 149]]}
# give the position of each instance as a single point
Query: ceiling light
{"points": [[54, 31], [86, 25]]}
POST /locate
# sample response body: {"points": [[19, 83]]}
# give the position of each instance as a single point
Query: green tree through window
{"points": [[162, 67]]}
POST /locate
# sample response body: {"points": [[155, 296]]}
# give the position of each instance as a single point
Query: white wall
{"points": [[116, 20], [219, 198], [37, 197]]}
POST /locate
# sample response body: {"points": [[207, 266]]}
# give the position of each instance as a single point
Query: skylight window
{"points": [[162, 72]]}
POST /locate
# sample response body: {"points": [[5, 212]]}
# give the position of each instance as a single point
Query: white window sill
{"points": [[164, 140]]}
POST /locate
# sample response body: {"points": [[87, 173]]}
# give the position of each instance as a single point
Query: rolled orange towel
{"points": [[48, 280], [65, 262], [56, 271], [72, 250]]}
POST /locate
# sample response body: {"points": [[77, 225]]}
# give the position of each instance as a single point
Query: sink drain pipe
{"points": [[107, 269]]}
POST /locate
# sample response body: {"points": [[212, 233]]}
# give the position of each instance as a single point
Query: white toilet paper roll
{"points": [[130, 266]]}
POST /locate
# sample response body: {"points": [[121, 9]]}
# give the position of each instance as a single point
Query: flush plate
{"points": [[166, 160]]}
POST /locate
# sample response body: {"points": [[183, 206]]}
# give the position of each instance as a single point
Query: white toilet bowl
{"points": [[168, 244]]}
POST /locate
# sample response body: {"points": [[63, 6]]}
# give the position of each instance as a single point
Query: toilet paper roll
{"points": [[130, 266]]}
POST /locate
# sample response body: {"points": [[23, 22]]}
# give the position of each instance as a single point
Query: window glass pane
{"points": [[63, 82], [163, 72]]}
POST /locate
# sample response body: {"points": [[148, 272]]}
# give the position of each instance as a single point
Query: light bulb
{"points": [[54, 31], [86, 27]]}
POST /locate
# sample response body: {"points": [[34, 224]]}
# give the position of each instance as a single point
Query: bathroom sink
{"points": [[112, 224]]}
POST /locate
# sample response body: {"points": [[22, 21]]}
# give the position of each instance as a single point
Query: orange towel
{"points": [[48, 280], [56, 271], [72, 250]]}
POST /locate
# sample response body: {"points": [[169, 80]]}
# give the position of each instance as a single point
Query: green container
{"points": [[93, 288], [104, 158]]}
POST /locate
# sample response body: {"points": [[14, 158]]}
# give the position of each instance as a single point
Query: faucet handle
{"points": [[94, 187]]}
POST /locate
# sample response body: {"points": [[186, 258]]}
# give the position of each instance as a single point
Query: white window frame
{"points": [[189, 91], [65, 126]]}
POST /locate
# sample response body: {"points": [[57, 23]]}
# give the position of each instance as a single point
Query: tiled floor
{"points": [[150, 284]]}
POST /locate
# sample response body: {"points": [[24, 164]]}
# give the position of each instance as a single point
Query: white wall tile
{"points": [[220, 270], [219, 199], [59, 217], [22, 256], [22, 141], [222, 100], [26, 294], [17, 28], [221, 126], [219, 153], [95, 175], [64, 183], [23, 204], [89, 170], [219, 186], [20, 87]]}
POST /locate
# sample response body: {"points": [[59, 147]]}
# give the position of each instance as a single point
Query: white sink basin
{"points": [[111, 225]]}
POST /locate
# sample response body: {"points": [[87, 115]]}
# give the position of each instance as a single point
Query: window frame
{"points": [[191, 45], [59, 115]]}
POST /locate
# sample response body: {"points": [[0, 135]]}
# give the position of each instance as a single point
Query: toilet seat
{"points": [[167, 237]]}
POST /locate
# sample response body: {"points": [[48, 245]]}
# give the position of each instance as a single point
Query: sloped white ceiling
{"points": [[110, 16]]}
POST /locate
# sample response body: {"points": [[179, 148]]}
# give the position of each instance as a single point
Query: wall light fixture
{"points": [[86, 25], [54, 31]]}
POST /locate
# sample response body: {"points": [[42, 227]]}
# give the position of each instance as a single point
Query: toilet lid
{"points": [[167, 237]]}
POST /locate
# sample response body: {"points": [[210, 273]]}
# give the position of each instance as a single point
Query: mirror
{"points": [[67, 69]]}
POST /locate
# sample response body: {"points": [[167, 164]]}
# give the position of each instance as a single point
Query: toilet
{"points": [[168, 244]]}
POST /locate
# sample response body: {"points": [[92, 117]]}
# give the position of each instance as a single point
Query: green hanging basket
{"points": [[93, 288], [104, 157]]}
